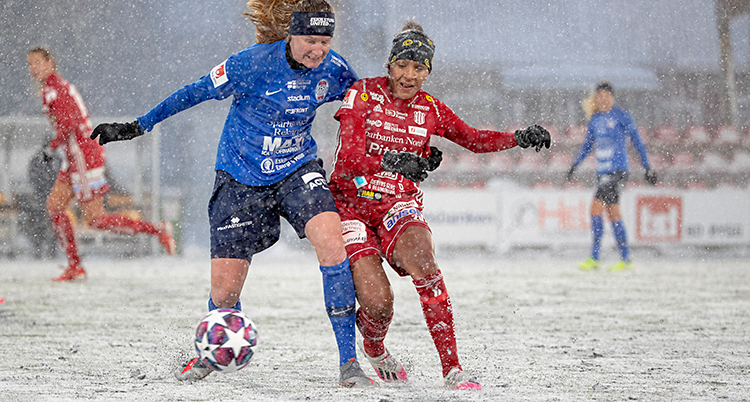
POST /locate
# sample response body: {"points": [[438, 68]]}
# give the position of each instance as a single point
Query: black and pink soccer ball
{"points": [[225, 339]]}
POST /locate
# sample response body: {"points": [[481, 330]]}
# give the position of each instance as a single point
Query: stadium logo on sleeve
{"points": [[321, 90], [219, 75]]}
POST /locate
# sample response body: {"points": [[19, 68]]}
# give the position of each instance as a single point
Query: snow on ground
{"points": [[533, 329]]}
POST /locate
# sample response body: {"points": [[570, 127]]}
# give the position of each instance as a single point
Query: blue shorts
{"points": [[608, 186], [245, 220]]}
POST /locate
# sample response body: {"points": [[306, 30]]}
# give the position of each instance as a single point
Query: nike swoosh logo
{"points": [[271, 93]]}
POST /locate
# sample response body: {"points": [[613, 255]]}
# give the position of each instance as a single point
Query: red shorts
{"points": [[87, 187], [372, 227]]}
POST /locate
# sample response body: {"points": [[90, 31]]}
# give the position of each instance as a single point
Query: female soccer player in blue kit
{"points": [[266, 164], [608, 129]]}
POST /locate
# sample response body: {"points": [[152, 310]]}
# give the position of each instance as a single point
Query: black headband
{"points": [[312, 23], [413, 45], [605, 86]]}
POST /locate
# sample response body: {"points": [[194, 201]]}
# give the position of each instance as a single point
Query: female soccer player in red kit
{"points": [[383, 153], [82, 172]]}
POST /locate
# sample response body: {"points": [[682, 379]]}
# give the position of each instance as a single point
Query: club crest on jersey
{"points": [[419, 117], [219, 75], [321, 90]]}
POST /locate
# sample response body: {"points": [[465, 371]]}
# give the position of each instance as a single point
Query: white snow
{"points": [[533, 329]]}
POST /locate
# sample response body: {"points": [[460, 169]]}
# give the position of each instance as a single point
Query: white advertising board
{"points": [[521, 217]]}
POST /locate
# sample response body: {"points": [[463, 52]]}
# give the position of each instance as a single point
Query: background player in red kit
{"points": [[82, 172], [383, 153]]}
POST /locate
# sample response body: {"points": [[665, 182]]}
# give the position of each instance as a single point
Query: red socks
{"points": [[373, 332], [66, 236], [438, 313], [122, 225]]}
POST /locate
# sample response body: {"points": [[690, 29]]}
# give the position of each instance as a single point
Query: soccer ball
{"points": [[225, 339]]}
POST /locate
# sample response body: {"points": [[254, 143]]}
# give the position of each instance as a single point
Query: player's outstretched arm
{"points": [[108, 132], [533, 136]]}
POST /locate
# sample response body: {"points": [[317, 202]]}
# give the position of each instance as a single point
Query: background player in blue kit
{"points": [[608, 129], [266, 164]]}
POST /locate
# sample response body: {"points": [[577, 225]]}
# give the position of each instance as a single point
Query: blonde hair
{"points": [[272, 17], [588, 105]]}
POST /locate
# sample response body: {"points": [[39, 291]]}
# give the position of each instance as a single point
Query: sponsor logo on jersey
{"points": [[353, 232], [396, 114], [375, 123], [393, 127], [390, 221], [377, 97], [349, 99], [274, 145], [298, 98], [268, 165], [315, 179], [377, 108], [419, 117], [297, 84], [420, 107], [420, 131], [364, 96], [269, 93], [360, 181], [297, 110], [219, 75], [370, 195], [321, 90]]}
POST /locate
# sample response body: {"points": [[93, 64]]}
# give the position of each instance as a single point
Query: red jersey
{"points": [[68, 115], [374, 122]]}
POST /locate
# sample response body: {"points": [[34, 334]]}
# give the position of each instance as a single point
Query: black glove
{"points": [[108, 132], [533, 136], [651, 176], [48, 154], [436, 156], [569, 176], [407, 164]]}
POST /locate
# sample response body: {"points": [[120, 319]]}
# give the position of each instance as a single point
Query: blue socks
{"points": [[622, 239], [338, 292], [212, 306], [597, 229]]}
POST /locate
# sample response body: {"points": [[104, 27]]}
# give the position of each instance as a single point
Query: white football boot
{"points": [[389, 369]]}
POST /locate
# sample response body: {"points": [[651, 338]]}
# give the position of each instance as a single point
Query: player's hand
{"points": [[533, 136], [650, 176], [48, 154], [569, 176], [435, 158], [108, 132], [406, 164]]}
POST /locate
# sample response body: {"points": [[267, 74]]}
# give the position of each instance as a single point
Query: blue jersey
{"points": [[266, 135], [608, 131]]}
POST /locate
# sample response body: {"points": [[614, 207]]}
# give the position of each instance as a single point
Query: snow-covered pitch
{"points": [[533, 329]]}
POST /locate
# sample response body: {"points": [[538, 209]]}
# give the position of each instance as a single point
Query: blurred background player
{"points": [[609, 127], [82, 170], [383, 153], [266, 165]]}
